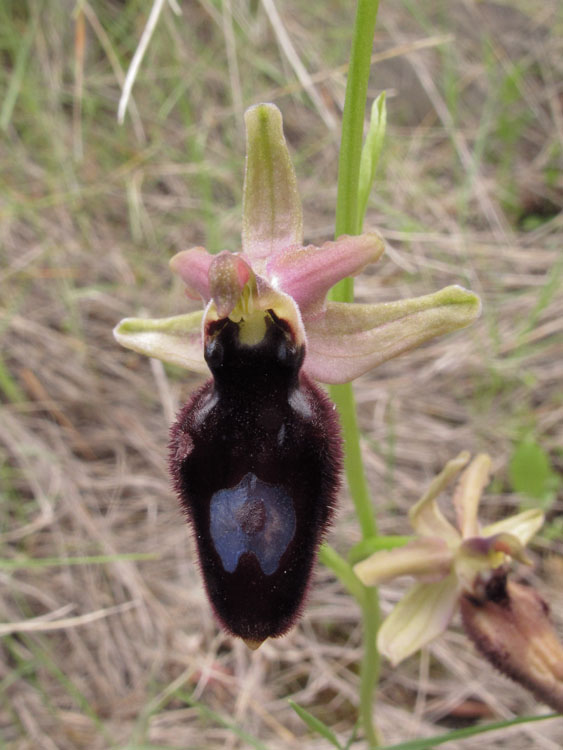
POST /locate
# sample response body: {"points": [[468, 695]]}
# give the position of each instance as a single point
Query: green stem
{"points": [[343, 397], [349, 221], [369, 670], [372, 544], [343, 570]]}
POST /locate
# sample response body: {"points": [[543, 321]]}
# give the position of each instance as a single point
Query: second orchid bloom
{"points": [[448, 562]]}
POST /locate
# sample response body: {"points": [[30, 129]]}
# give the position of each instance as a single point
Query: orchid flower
{"points": [[450, 563], [255, 454], [276, 271]]}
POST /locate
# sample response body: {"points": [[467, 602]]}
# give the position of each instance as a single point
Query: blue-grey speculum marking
{"points": [[252, 516]]}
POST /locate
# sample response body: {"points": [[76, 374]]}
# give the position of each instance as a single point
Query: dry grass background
{"points": [[124, 653]]}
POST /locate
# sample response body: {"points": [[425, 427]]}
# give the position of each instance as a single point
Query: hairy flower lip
{"points": [[447, 561], [260, 425]]}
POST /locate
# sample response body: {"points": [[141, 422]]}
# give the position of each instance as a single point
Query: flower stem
{"points": [[349, 221], [369, 670], [342, 568], [343, 397]]}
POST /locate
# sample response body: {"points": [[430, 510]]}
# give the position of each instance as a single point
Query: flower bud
{"points": [[510, 625]]}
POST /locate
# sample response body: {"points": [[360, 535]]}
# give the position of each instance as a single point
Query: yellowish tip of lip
{"points": [[252, 645], [252, 328]]}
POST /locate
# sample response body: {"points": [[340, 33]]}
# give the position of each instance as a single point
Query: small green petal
{"points": [[348, 339], [523, 525], [426, 559], [371, 152], [468, 494], [272, 216], [176, 340], [421, 615], [426, 517]]}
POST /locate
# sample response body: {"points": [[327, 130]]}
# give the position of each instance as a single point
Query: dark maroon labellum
{"points": [[255, 456]]}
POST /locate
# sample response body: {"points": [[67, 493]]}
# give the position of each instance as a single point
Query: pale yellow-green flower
{"points": [[447, 561]]}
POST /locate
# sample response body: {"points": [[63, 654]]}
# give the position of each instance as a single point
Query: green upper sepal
{"points": [[272, 218]]}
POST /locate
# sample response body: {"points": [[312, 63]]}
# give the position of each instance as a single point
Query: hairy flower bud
{"points": [[510, 625]]}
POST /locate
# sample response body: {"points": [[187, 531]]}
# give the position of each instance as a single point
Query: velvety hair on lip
{"points": [[255, 456]]}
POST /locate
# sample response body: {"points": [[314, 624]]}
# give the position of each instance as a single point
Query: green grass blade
{"points": [[353, 737], [16, 79], [546, 295], [39, 648], [8, 385], [250, 740], [316, 725], [428, 743]]}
